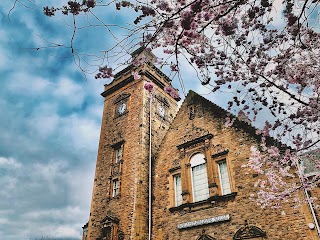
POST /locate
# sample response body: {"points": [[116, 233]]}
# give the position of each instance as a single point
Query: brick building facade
{"points": [[199, 189]]}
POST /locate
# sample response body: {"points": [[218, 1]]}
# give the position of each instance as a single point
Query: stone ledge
{"points": [[205, 203]]}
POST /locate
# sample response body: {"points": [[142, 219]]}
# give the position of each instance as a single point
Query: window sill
{"points": [[204, 204]]}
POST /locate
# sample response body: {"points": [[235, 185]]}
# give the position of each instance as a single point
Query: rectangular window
{"points": [[118, 154], [115, 188], [177, 190], [224, 177]]}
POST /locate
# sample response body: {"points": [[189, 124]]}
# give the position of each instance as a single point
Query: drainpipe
{"points": [[150, 168], [312, 211], [315, 220]]}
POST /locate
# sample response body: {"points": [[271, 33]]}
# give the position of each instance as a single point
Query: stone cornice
{"points": [[195, 141], [117, 86]]}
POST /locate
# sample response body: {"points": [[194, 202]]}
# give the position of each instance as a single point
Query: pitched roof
{"points": [[194, 98]]}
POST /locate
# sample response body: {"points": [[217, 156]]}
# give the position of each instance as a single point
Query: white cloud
{"points": [[44, 125], [70, 92], [83, 132], [66, 231], [28, 84], [9, 163], [8, 185], [66, 222], [4, 221]]}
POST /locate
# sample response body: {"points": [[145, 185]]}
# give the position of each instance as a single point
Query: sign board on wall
{"points": [[221, 218]]}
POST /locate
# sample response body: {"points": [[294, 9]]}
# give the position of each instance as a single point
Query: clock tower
{"points": [[120, 198]]}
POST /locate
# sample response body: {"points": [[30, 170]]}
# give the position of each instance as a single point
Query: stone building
{"points": [[198, 188]]}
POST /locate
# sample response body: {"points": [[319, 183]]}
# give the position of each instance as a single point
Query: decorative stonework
{"points": [[205, 236], [115, 169], [195, 142], [182, 153], [247, 232], [109, 227], [122, 97], [213, 189], [193, 133], [176, 163], [219, 150]]}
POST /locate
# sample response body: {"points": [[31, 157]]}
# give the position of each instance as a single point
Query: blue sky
{"points": [[50, 121]]}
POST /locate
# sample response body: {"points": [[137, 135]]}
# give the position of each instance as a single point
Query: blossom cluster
{"points": [[72, 7], [104, 72]]}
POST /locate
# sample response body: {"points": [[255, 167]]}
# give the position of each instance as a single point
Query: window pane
{"points": [[115, 191], [118, 154], [177, 190], [224, 177], [200, 182]]}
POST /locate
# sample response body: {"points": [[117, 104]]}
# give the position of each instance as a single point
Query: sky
{"points": [[50, 115]]}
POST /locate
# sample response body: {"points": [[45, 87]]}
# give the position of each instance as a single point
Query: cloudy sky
{"points": [[49, 127], [49, 123]]}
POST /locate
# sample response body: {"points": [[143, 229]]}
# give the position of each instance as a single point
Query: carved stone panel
{"points": [[219, 150], [176, 163], [247, 232], [115, 169], [205, 236]]}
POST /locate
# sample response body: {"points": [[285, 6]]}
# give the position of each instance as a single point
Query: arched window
{"points": [[199, 178]]}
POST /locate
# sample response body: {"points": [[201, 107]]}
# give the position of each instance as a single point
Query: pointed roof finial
{"points": [[143, 53]]}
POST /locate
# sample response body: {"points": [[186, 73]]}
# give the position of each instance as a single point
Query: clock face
{"points": [[122, 108], [161, 111]]}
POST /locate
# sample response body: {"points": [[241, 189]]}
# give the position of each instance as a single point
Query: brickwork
{"points": [[166, 217]]}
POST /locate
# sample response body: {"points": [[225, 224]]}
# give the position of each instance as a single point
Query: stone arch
{"points": [[205, 236], [248, 232]]}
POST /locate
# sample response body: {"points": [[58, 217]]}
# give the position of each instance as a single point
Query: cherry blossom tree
{"points": [[265, 52]]}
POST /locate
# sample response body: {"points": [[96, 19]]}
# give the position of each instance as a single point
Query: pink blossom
{"points": [[242, 116], [229, 122], [273, 151], [136, 75], [173, 93], [148, 86], [104, 72], [139, 60]]}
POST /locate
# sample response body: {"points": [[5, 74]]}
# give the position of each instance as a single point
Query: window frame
{"points": [[118, 157], [193, 187], [216, 158], [176, 191], [220, 176], [115, 187]]}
